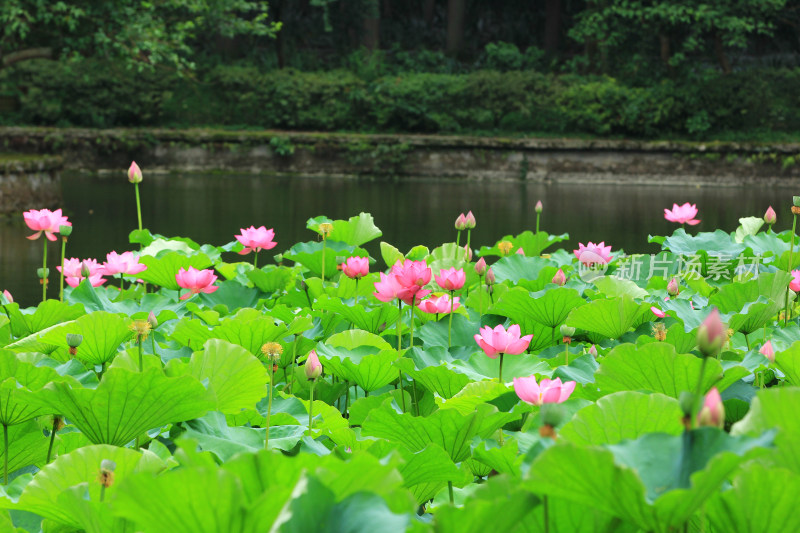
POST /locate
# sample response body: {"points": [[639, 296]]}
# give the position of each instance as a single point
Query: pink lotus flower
{"points": [[683, 214], [256, 239], [498, 340], [658, 312], [770, 217], [795, 283], [387, 288], [480, 267], [356, 267], [560, 278], [520, 251], [713, 411], [412, 276], [125, 263], [313, 367], [451, 279], [45, 221], [711, 334], [438, 304], [7, 296], [593, 254], [196, 281], [548, 391], [76, 271], [470, 220], [134, 173], [767, 351]]}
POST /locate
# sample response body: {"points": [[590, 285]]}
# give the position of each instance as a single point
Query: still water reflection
{"points": [[212, 208]]}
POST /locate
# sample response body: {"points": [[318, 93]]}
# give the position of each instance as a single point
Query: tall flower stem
{"points": [[414, 401], [698, 393], [450, 490], [458, 242], [450, 323], [141, 353], [469, 234], [323, 258], [294, 361], [153, 342], [5, 454], [269, 401], [63, 255], [789, 269], [44, 272], [545, 502], [138, 205], [311, 406], [480, 295], [501, 367], [52, 438], [399, 347], [255, 261], [566, 353]]}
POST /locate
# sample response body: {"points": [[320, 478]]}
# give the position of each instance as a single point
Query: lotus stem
{"points": [[566, 353], [501, 367], [346, 397], [789, 269], [141, 353], [450, 490], [399, 341], [153, 342], [323, 259], [545, 502], [311, 407], [698, 393], [294, 362], [480, 296], [52, 438], [469, 234], [44, 272], [138, 205], [102, 492], [458, 242], [5, 454], [63, 255], [269, 402], [414, 401], [450, 323]]}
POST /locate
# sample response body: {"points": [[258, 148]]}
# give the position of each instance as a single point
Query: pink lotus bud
{"points": [[490, 277], [470, 220], [713, 411], [770, 217], [560, 278], [673, 289], [152, 320], [521, 252], [538, 207], [86, 270], [313, 367], [134, 173], [467, 254], [593, 350], [480, 267], [768, 352], [711, 334], [461, 222], [795, 283], [9, 299], [658, 312]]}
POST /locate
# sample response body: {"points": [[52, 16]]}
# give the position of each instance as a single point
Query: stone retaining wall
{"points": [[29, 182], [416, 156]]}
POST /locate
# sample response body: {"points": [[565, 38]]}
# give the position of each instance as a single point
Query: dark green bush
{"points": [[96, 94]]}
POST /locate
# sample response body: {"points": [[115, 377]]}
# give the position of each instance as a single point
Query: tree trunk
{"points": [[719, 50], [552, 27], [279, 44], [455, 26], [428, 11], [372, 26]]}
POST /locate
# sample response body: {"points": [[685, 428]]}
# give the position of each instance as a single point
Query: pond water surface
{"points": [[211, 208]]}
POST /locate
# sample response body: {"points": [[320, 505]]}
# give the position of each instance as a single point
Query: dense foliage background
{"points": [[666, 68]]}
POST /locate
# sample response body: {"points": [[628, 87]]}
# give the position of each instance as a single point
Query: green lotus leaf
{"points": [[657, 481], [27, 445], [439, 379], [499, 505], [748, 227], [427, 471], [102, 333], [371, 320], [236, 377], [612, 287], [447, 428], [717, 243], [161, 269], [309, 254], [390, 254], [80, 467], [355, 231], [250, 329], [550, 307], [367, 366], [191, 332], [480, 366], [623, 415], [761, 499], [789, 363], [474, 394], [503, 459], [126, 404], [184, 500], [581, 369], [434, 334], [272, 278], [610, 318], [19, 378], [654, 367], [47, 314], [232, 295], [518, 267], [754, 303]]}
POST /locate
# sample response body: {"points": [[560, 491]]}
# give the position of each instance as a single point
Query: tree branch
{"points": [[24, 55]]}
